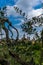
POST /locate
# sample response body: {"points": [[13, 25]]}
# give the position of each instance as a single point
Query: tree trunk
{"points": [[7, 36], [17, 32]]}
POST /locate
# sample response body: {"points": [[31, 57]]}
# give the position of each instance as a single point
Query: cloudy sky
{"points": [[30, 7]]}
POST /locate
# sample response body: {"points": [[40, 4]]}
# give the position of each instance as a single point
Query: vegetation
{"points": [[24, 51]]}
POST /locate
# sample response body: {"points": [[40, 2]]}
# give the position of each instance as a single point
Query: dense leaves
{"points": [[25, 52]]}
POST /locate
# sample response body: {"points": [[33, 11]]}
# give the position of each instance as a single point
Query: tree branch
{"points": [[18, 59]]}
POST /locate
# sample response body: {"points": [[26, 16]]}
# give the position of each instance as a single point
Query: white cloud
{"points": [[27, 5], [3, 34], [10, 10], [34, 13]]}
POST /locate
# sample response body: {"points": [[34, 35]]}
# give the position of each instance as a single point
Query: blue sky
{"points": [[30, 7]]}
